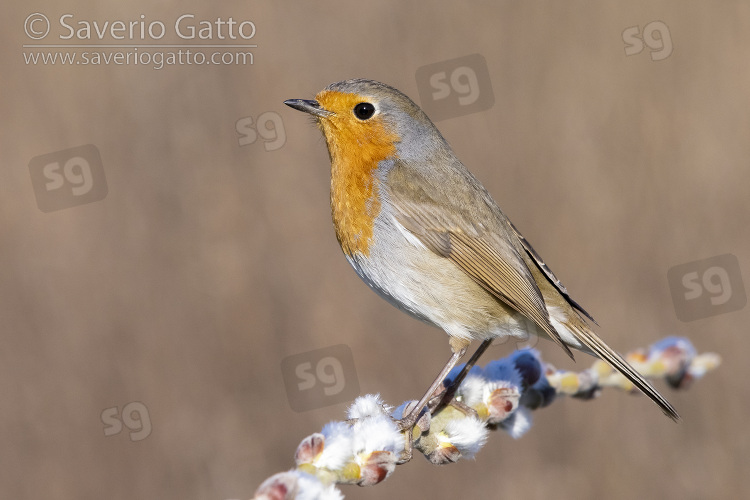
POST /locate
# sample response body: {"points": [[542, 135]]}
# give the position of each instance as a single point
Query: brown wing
{"points": [[548, 272], [449, 226]]}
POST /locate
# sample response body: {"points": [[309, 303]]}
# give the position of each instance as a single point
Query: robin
{"points": [[424, 234]]}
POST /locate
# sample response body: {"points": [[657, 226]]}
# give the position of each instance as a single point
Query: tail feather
{"points": [[603, 351]]}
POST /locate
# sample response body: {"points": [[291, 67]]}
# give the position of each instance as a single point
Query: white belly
{"points": [[432, 288]]}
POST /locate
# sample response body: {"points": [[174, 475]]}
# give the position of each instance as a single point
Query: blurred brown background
{"points": [[207, 262]]}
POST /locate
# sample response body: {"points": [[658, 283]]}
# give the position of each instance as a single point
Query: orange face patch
{"points": [[356, 147]]}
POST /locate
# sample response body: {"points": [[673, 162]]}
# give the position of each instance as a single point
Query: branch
{"points": [[365, 449]]}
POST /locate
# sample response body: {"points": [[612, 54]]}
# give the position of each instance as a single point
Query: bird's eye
{"points": [[364, 110]]}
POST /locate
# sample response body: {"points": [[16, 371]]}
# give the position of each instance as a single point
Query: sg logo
{"points": [[661, 45], [463, 81], [273, 137], [456, 87], [707, 287], [68, 178], [134, 416], [328, 372], [319, 378]]}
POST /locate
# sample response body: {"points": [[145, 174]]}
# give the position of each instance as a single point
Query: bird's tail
{"points": [[604, 352]]}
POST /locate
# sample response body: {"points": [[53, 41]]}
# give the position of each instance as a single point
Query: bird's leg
{"points": [[433, 401], [447, 396], [407, 421], [463, 408]]}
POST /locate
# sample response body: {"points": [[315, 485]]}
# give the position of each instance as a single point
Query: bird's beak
{"points": [[308, 106]]}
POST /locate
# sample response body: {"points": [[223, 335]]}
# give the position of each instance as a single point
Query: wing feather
{"points": [[489, 259], [549, 274]]}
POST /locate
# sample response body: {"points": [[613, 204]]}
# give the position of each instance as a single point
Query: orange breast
{"points": [[356, 148]]}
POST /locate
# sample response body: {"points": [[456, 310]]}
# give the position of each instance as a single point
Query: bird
{"points": [[422, 232]]}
